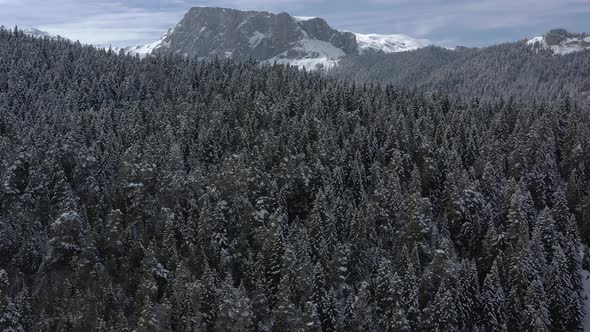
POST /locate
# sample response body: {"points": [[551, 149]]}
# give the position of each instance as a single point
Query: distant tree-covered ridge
{"points": [[510, 70]]}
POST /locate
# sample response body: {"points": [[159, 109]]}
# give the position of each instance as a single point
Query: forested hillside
{"points": [[168, 194], [507, 70]]}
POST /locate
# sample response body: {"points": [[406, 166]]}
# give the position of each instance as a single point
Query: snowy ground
{"points": [[586, 281], [390, 43], [314, 54], [143, 50], [570, 45]]}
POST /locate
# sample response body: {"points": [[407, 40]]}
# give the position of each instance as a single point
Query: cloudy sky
{"points": [[448, 22]]}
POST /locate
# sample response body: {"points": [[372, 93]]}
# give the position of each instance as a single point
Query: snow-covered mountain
{"points": [[32, 32], [389, 43], [37, 33], [561, 42], [145, 49], [207, 32]]}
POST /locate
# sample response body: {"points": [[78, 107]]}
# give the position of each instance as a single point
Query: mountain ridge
{"points": [[561, 42], [34, 32], [310, 42]]}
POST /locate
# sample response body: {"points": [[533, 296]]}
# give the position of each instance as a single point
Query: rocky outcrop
{"points": [[207, 32]]}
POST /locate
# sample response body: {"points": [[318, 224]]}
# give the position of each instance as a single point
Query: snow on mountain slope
{"points": [[389, 43], [303, 18], [560, 43], [314, 54], [37, 33], [256, 38], [146, 49], [142, 50]]}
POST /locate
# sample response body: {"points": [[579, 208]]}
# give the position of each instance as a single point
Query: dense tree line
{"points": [[169, 194], [500, 71]]}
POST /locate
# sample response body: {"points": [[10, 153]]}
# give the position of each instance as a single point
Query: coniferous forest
{"points": [[170, 194], [510, 70]]}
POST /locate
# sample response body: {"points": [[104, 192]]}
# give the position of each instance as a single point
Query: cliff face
{"points": [[208, 32]]}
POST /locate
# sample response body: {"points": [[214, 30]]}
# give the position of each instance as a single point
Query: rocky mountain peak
{"points": [[208, 32]]}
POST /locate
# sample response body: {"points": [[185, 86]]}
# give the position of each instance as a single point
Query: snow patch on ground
{"points": [[143, 50], [313, 54], [539, 40], [146, 49], [307, 63], [389, 43], [586, 283], [303, 18], [570, 45], [256, 38], [321, 47]]}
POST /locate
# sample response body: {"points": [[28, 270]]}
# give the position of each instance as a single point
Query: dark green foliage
{"points": [[170, 194]]}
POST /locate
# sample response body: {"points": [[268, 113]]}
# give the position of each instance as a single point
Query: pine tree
{"points": [[561, 214], [559, 291], [493, 302], [10, 314], [185, 300], [260, 305], [490, 249], [536, 315], [169, 254], [416, 221], [384, 297], [409, 287], [319, 294], [208, 298], [272, 252], [468, 297], [545, 225], [569, 241], [23, 303], [148, 320], [442, 312], [574, 257], [310, 318], [331, 311], [284, 314], [245, 316], [360, 316], [234, 312], [519, 217]]}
